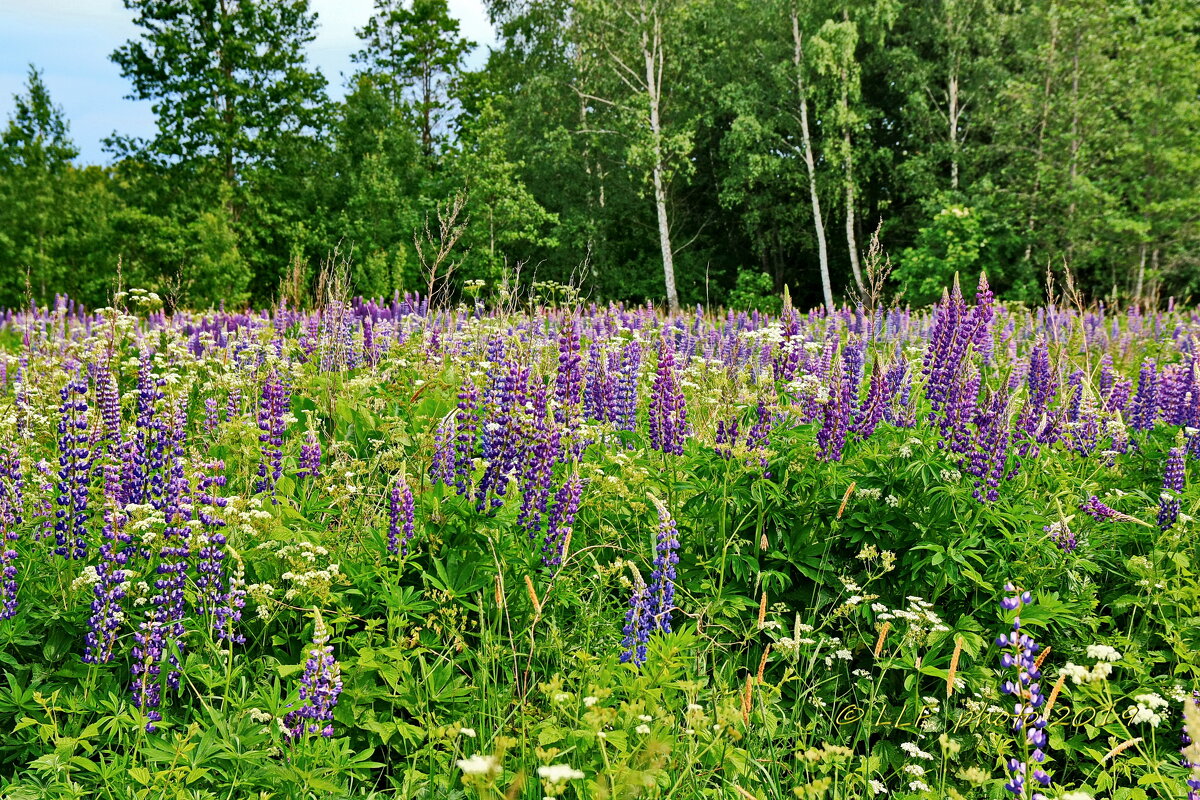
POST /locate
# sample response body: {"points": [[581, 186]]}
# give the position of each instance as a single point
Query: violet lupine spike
{"points": [[400, 517], [272, 411], [501, 436], [561, 520], [835, 422], [538, 463], [758, 438], [217, 596], [1098, 510], [668, 409], [1145, 402], [175, 554], [662, 579], [108, 591], [75, 462], [320, 686], [1174, 476], [638, 620], [11, 516], [109, 403], [625, 389], [871, 412], [148, 645], [1019, 660], [1062, 536], [310, 456], [568, 383]]}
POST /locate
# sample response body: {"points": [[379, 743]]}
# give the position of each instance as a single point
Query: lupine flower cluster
{"points": [[400, 517], [134, 497], [1173, 481], [1018, 659], [668, 409], [320, 686]]}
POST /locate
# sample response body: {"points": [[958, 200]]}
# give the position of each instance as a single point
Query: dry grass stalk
{"points": [[762, 663], [537, 604], [747, 700], [1121, 748], [1041, 657], [958, 644], [846, 498], [1054, 695], [762, 609], [883, 632]]}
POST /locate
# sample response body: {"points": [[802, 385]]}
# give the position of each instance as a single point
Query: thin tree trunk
{"points": [[848, 152], [818, 222], [952, 93], [851, 241], [1075, 144], [652, 53]]}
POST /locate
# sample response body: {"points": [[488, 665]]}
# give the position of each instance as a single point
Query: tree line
{"points": [[683, 151]]}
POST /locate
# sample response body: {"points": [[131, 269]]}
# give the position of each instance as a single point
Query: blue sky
{"points": [[70, 41]]}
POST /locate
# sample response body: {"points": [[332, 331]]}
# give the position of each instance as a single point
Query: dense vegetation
{"points": [[604, 139], [382, 549]]}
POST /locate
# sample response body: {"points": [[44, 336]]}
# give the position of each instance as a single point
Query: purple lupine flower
{"points": [[501, 435], [871, 412], [726, 437], [542, 452], [466, 426], [835, 422], [1019, 659], [637, 624], [319, 688], [233, 404], [148, 645], [400, 517], [272, 409], [211, 414], [11, 514], [787, 358], [758, 438], [310, 456], [600, 392], [1062, 536], [108, 590], [1174, 476], [568, 383], [662, 579], [625, 389], [217, 596], [560, 520], [1098, 510], [1145, 402], [175, 554], [75, 462], [668, 409], [109, 403], [989, 449]]}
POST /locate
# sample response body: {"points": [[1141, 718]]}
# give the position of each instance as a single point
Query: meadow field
{"points": [[560, 550]]}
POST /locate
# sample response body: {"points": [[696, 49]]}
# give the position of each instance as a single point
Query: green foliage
{"points": [[950, 245], [755, 290], [1069, 130]]}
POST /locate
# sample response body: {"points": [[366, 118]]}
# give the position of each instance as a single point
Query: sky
{"points": [[70, 41]]}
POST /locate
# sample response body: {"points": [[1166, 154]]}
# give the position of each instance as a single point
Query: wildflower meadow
{"points": [[563, 550]]}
